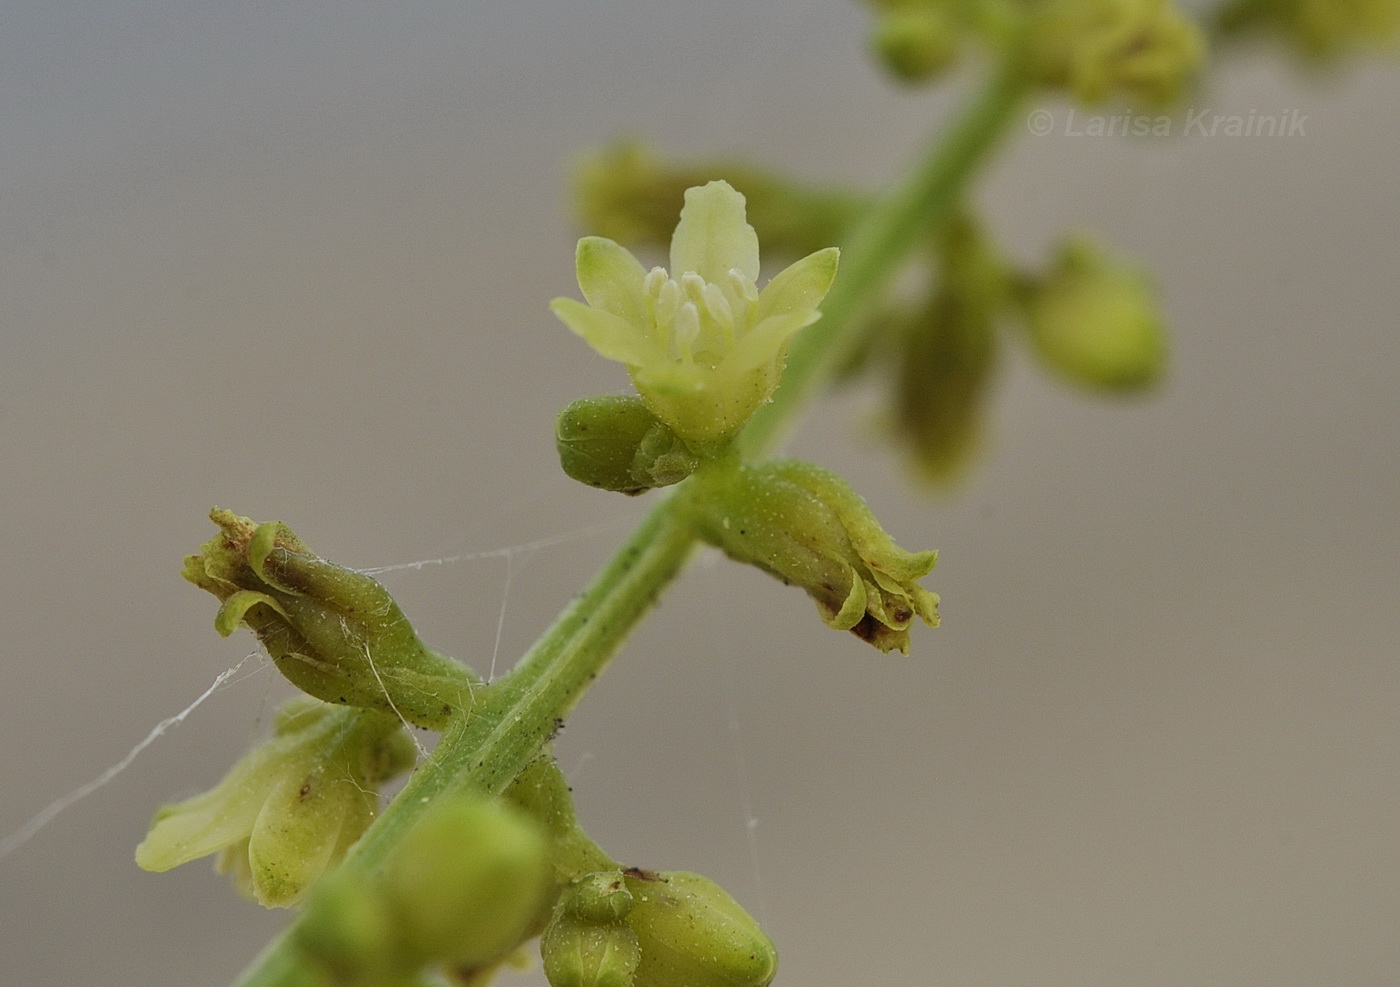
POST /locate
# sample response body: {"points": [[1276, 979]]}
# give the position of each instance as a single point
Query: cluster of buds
{"points": [[705, 350], [636, 928], [1146, 50]]}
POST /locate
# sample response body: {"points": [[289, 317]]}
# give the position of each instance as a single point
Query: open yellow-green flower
{"points": [[704, 346], [289, 809]]}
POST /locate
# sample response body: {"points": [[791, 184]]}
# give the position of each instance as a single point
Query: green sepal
{"points": [[231, 614], [580, 953]]}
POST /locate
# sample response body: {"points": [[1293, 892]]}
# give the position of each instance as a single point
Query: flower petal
{"points": [[800, 287], [612, 279], [609, 334], [713, 236], [204, 824], [766, 342]]}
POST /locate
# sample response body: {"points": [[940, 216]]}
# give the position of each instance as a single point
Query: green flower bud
{"points": [[918, 41], [1321, 29], [349, 929], [1096, 322], [290, 809], [692, 934], [806, 526], [616, 443], [588, 943], [335, 633], [948, 353], [468, 883], [1146, 49]]}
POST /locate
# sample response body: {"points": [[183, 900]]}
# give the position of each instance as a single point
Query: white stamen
{"points": [[718, 307], [685, 331], [743, 285], [655, 278], [694, 286], [668, 300]]}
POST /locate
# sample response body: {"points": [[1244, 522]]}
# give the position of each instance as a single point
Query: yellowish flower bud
{"points": [[467, 885], [917, 41], [1147, 50], [1321, 29], [692, 934], [348, 928], [1095, 321]]}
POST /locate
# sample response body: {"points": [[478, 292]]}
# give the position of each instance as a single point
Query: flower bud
{"points": [[615, 443], [348, 928], [1096, 322], [692, 934], [1320, 29], [916, 41], [948, 352], [335, 633], [588, 943], [1146, 49], [468, 882], [806, 526], [291, 808]]}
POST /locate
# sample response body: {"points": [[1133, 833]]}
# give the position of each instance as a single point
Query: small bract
{"points": [[704, 347]]}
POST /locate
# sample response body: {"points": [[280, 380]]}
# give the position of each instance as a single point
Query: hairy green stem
{"points": [[518, 715]]}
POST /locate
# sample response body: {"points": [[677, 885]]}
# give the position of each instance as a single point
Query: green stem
{"points": [[878, 248], [518, 715]]}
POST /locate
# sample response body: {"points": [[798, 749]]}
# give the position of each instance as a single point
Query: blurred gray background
{"points": [[295, 259]]}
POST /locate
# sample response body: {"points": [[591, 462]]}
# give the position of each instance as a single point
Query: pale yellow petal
{"points": [[611, 335], [713, 237]]}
